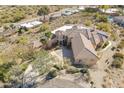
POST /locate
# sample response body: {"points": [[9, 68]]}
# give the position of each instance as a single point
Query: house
{"points": [[55, 15], [30, 24], [82, 40], [95, 36], [67, 12], [81, 8], [110, 11], [119, 20], [83, 50]]}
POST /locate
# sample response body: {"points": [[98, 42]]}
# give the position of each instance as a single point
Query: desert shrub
{"points": [[22, 40], [118, 55], [118, 60], [101, 18], [58, 67], [51, 74], [43, 61], [4, 69], [113, 48], [88, 22], [121, 44], [104, 26], [67, 22], [117, 63], [48, 34], [72, 70], [2, 39], [84, 70], [43, 11], [66, 63], [44, 40], [23, 66], [44, 27]]}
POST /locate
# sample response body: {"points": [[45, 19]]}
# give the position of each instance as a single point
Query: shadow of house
{"points": [[67, 53]]}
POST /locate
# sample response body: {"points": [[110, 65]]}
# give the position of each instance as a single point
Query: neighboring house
{"points": [[55, 15], [30, 24], [81, 8], [82, 40], [119, 20], [110, 11], [69, 11]]}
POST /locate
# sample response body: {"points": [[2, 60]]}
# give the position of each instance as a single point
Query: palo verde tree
{"points": [[43, 11]]}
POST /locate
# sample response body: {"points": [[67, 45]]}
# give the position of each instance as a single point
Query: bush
{"points": [[113, 48], [48, 34], [88, 22], [104, 26], [4, 69], [84, 70], [2, 39], [23, 67], [44, 27], [72, 70], [101, 18], [22, 40], [67, 22], [121, 44], [118, 55], [58, 67], [118, 60], [51, 74], [117, 63], [44, 40]]}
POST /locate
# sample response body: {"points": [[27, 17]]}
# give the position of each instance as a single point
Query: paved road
{"points": [[38, 18]]}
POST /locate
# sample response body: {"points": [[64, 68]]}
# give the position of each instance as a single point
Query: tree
{"points": [[43, 11], [48, 34]]}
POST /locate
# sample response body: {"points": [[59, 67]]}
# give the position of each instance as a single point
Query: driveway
{"points": [[99, 73]]}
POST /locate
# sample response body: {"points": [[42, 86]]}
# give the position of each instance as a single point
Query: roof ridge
{"points": [[85, 46]]}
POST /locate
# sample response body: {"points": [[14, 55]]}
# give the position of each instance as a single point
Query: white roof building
{"points": [[110, 10], [30, 24]]}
